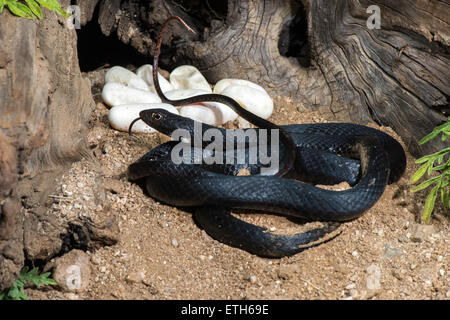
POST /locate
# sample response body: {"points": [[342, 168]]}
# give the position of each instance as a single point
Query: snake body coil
{"points": [[366, 158]]}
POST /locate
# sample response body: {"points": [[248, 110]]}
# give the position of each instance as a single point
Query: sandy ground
{"points": [[163, 254]]}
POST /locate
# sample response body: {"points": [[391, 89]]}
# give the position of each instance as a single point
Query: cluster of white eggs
{"points": [[128, 93]]}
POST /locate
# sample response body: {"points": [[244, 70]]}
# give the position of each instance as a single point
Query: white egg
{"points": [[254, 100], [199, 113], [179, 94], [125, 77], [188, 77], [120, 117], [115, 94], [222, 84], [145, 72], [222, 113]]}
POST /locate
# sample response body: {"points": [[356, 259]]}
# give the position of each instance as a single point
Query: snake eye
{"points": [[157, 116]]}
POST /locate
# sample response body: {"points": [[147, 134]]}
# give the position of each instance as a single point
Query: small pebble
{"points": [[390, 251], [135, 277], [353, 293], [96, 260], [72, 296], [404, 292], [422, 232], [350, 286], [354, 277], [397, 275], [175, 243]]}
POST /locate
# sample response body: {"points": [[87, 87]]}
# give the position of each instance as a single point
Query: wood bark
{"points": [[45, 105]]}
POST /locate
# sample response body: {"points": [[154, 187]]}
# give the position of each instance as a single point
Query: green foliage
{"points": [[16, 291], [28, 9], [436, 165]]}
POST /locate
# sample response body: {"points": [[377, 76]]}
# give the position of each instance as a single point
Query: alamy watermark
{"points": [[373, 281], [74, 21], [374, 21], [251, 146]]}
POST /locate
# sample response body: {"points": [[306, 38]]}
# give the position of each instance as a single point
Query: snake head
{"points": [[165, 121], [154, 118]]}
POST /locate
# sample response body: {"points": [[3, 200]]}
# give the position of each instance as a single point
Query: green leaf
{"points": [[19, 283], [47, 282], [429, 204], [435, 132], [429, 137], [34, 6], [19, 9], [49, 4], [24, 271], [426, 184], [2, 4], [443, 151], [430, 168], [22, 295], [442, 167], [14, 293], [36, 281], [33, 273], [419, 173], [55, 6]]}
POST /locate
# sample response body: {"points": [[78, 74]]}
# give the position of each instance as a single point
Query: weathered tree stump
{"points": [[44, 106]]}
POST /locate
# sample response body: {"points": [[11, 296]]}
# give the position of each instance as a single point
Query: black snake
{"points": [[328, 153]]}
